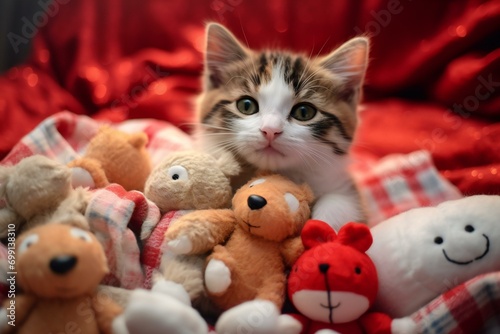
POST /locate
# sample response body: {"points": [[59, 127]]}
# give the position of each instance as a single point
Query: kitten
{"points": [[286, 113]]}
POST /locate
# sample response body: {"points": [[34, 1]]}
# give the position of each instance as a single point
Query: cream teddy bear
{"points": [[37, 190]]}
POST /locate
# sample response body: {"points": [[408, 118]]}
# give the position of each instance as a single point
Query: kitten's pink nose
{"points": [[270, 133]]}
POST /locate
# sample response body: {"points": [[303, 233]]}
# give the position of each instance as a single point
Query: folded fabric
{"points": [[131, 228]]}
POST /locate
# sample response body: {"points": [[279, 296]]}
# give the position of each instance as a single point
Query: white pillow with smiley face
{"points": [[421, 253]]}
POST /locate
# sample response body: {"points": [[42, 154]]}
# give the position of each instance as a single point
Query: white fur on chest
{"points": [[337, 201], [328, 176]]}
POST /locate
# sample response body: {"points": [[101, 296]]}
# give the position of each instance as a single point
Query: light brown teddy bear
{"points": [[114, 156], [190, 180], [58, 269], [38, 190], [252, 243]]}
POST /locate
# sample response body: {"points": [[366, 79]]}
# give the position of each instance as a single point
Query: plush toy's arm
{"points": [[291, 249], [72, 209], [23, 305], [376, 322], [106, 310], [88, 172], [8, 216], [199, 231], [305, 322], [404, 326]]}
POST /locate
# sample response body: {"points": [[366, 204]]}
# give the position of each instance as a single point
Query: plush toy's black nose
{"points": [[323, 267], [62, 264], [255, 202]]}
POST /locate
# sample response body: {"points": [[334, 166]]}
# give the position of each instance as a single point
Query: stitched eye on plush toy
{"points": [[438, 240], [178, 173], [80, 234], [256, 182], [28, 242], [469, 228], [357, 270]]}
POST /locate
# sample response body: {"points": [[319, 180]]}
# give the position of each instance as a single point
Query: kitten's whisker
{"points": [[322, 47], [305, 66], [237, 76], [213, 126]]}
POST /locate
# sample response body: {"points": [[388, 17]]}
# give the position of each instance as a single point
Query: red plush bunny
{"points": [[334, 283]]}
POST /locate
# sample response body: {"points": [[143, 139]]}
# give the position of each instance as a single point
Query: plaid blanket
{"points": [[131, 228]]}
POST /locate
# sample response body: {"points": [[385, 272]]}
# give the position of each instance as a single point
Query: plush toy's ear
{"points": [[228, 164], [4, 177], [138, 139], [316, 232], [356, 235], [7, 214], [308, 194]]}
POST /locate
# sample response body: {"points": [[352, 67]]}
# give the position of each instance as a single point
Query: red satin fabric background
{"points": [[433, 81]]}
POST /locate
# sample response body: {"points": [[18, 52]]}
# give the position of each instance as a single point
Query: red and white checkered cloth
{"points": [[119, 218], [399, 182]]}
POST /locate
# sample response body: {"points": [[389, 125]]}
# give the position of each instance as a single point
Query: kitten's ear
{"points": [[222, 49], [349, 62]]}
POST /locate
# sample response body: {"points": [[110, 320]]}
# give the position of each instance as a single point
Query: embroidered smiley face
{"points": [[469, 244]]}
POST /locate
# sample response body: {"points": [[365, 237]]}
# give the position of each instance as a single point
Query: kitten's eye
{"points": [[247, 106], [303, 112]]}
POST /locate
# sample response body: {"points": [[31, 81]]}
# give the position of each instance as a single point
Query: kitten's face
{"points": [[278, 110]]}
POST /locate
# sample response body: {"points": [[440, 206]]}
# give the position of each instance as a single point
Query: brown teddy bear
{"points": [[252, 242], [58, 269], [38, 190], [113, 156]]}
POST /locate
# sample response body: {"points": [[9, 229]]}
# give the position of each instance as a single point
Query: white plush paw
{"points": [[81, 178], [327, 331], [217, 276], [403, 326], [181, 245], [256, 317], [173, 290], [119, 326], [149, 312], [289, 325]]}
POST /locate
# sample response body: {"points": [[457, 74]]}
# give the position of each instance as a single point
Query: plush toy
{"points": [[424, 252], [58, 270], [334, 283], [113, 156], [184, 180], [252, 243], [190, 180], [166, 308], [38, 190]]}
